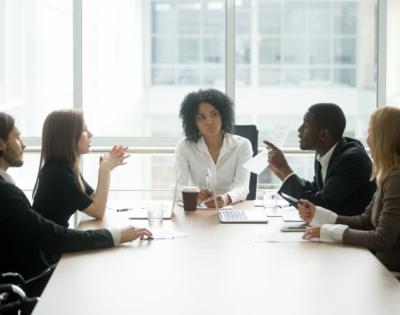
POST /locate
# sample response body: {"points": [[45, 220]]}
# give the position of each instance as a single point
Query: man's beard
{"points": [[13, 159]]}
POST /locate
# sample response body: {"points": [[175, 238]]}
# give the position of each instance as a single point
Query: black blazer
{"points": [[347, 189], [25, 235]]}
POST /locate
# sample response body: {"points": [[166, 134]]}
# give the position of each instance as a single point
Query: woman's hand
{"points": [[205, 194], [306, 210], [130, 233], [222, 200], [114, 158], [312, 232]]}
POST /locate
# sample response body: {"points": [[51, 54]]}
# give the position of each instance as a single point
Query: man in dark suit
{"points": [[24, 234], [342, 166]]}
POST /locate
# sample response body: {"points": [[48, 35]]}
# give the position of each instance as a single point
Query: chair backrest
{"points": [[250, 132]]}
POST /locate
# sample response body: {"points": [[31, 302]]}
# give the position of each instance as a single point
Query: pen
{"points": [[124, 209], [290, 198], [146, 238]]}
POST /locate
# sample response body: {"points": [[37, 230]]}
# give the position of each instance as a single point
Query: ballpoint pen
{"points": [[210, 187], [124, 209]]}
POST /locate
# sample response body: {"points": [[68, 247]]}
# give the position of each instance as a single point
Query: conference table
{"points": [[219, 269]]}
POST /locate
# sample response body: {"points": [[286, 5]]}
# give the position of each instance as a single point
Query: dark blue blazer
{"points": [[347, 189], [25, 235]]}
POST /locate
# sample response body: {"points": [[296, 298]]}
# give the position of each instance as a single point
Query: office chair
{"points": [[14, 292], [249, 132]]}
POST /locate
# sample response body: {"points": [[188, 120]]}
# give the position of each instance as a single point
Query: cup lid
{"points": [[191, 189]]}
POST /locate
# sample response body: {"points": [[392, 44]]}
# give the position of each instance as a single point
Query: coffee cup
{"points": [[190, 195]]}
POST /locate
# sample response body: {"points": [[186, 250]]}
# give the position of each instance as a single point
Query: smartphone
{"points": [[286, 196], [294, 228]]}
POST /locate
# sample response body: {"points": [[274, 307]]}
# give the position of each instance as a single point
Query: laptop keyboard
{"points": [[233, 215]]}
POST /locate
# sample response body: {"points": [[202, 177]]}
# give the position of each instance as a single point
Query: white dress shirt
{"points": [[6, 177], [324, 161], [228, 175]]}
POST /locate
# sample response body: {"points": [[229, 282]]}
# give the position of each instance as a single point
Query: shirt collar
{"points": [[324, 160], [6, 177], [226, 144]]}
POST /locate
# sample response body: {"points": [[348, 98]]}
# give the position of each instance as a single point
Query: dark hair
{"points": [[6, 126], [189, 107], [329, 116]]}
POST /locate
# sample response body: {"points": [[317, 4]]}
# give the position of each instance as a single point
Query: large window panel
{"points": [[393, 53], [308, 51], [140, 59], [35, 60], [133, 50]]}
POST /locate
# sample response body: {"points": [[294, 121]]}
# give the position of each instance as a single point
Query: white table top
{"points": [[219, 269]]}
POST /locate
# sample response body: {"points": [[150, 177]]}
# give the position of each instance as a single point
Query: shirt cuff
{"points": [[116, 235], [332, 233], [291, 174], [323, 216], [235, 197]]}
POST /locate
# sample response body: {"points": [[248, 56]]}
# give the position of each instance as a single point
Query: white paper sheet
{"points": [[278, 135], [258, 163], [166, 234], [290, 214], [282, 238]]}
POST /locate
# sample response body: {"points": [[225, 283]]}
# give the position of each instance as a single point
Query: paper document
{"points": [[290, 214], [278, 135], [167, 234], [282, 238], [258, 163], [202, 206]]}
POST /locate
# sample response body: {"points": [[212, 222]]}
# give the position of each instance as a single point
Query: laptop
{"points": [[242, 216]]}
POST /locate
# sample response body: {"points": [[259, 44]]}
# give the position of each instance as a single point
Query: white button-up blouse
{"points": [[192, 161]]}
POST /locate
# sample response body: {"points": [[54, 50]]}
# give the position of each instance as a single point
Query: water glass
{"points": [[155, 214], [271, 199]]}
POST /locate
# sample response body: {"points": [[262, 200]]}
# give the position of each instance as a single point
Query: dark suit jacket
{"points": [[25, 235], [347, 189]]}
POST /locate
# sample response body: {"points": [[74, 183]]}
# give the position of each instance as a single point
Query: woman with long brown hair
{"points": [[60, 189], [378, 228]]}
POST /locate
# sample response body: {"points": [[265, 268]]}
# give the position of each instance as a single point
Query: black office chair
{"points": [[250, 132], [18, 296]]}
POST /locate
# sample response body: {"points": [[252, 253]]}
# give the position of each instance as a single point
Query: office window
{"points": [[141, 57], [393, 53], [35, 60], [305, 52]]}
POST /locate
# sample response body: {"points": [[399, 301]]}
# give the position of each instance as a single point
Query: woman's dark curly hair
{"points": [[189, 107]]}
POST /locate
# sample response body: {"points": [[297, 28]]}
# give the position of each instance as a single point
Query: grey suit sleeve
{"points": [[387, 232]]}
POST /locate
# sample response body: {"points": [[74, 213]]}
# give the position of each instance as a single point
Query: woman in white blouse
{"points": [[210, 156], [378, 228]]}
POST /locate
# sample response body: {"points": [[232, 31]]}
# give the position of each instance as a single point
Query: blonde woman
{"points": [[60, 189], [378, 228]]}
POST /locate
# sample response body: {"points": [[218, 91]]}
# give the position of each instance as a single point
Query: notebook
{"points": [[242, 216]]}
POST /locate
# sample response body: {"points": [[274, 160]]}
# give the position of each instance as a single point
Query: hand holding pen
{"points": [[205, 194], [306, 210], [221, 200]]}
